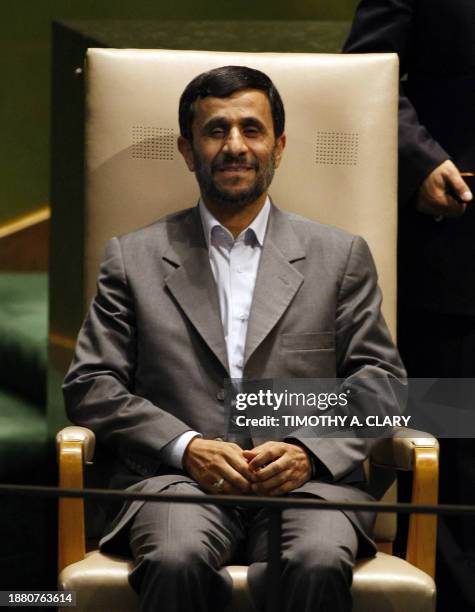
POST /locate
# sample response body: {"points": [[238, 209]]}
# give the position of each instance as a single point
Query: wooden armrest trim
{"points": [[71, 530], [422, 537]]}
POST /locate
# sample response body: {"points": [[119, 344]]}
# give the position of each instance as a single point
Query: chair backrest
{"points": [[339, 165]]}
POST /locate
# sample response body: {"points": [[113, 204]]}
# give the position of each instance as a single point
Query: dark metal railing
{"points": [[275, 504]]}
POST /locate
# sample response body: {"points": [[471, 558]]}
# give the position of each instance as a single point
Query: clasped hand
{"points": [[272, 468]]}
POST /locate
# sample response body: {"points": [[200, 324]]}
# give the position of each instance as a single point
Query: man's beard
{"points": [[240, 198]]}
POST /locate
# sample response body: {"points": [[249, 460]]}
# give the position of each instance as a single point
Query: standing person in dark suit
{"points": [[435, 41]]}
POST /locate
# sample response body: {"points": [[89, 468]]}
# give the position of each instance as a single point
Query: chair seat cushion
{"points": [[383, 583], [389, 584]]}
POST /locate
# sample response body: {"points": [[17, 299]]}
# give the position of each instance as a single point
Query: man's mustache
{"points": [[231, 160]]}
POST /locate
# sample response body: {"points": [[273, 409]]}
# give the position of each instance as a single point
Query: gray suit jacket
{"points": [[151, 358]]}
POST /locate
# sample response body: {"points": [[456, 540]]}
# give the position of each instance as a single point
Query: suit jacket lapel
{"points": [[192, 283], [277, 280]]}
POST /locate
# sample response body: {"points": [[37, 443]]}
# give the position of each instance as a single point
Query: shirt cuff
{"points": [[172, 453]]}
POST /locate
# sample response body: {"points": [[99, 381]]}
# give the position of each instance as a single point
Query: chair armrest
{"points": [[398, 452], [418, 452], [75, 446], [85, 436]]}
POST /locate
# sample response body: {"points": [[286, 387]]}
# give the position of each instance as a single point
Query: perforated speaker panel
{"points": [[337, 148], [153, 143]]}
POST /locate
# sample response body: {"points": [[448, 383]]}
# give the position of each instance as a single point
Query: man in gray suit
{"points": [[233, 288]]}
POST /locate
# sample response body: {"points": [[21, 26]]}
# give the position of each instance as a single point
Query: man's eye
{"points": [[217, 132], [252, 131]]}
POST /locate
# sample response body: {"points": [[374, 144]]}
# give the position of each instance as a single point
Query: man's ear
{"points": [[185, 148], [279, 149]]}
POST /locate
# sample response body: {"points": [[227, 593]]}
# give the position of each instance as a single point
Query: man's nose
{"points": [[235, 142]]}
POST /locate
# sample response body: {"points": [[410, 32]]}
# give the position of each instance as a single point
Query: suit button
{"points": [[220, 395]]}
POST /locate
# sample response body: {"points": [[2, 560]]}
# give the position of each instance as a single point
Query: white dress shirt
{"points": [[234, 263]]}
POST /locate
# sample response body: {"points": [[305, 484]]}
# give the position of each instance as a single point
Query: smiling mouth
{"points": [[234, 168]]}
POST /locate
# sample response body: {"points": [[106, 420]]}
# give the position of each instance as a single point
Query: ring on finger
{"points": [[218, 485]]}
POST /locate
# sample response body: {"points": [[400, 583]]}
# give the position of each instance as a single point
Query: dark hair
{"points": [[223, 82]]}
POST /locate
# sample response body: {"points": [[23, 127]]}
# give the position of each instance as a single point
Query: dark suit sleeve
{"points": [[368, 364], [390, 26], [99, 387]]}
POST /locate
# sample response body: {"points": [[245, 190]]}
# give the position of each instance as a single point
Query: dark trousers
{"points": [[180, 550], [436, 345]]}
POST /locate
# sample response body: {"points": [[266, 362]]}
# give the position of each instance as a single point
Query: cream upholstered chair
{"points": [[339, 167]]}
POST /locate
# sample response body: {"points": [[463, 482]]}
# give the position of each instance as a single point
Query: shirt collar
{"points": [[258, 225]]}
